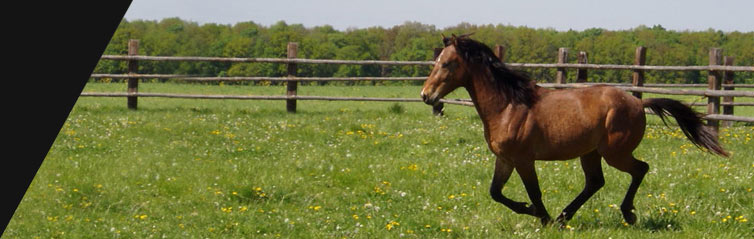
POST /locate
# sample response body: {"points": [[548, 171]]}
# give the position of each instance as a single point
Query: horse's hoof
{"points": [[629, 217], [545, 221]]}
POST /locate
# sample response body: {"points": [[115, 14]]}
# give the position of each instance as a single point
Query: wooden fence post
{"points": [[560, 77], [500, 52], [291, 86], [440, 107], [581, 74], [728, 79], [637, 77], [714, 83], [133, 68]]}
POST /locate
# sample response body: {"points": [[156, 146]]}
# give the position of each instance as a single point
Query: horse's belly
{"points": [[565, 146]]}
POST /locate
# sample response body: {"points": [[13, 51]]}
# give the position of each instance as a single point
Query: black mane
{"points": [[516, 86]]}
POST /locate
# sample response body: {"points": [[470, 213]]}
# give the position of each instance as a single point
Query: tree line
{"points": [[414, 41]]}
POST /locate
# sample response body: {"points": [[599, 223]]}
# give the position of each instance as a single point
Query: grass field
{"points": [[180, 168]]}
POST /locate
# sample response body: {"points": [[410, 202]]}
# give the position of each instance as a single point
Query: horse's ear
{"points": [[454, 40], [445, 40]]}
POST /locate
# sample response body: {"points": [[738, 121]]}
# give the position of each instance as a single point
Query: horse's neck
{"points": [[496, 111], [488, 100]]}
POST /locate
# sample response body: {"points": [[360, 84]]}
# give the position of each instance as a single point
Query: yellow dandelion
{"points": [[413, 167], [389, 226]]}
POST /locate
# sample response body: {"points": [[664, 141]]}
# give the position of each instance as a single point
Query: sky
{"points": [[679, 15]]}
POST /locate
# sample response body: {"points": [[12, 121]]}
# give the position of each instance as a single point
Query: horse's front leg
{"points": [[528, 175], [503, 170]]}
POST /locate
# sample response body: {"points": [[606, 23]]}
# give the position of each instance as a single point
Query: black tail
{"points": [[689, 121]]}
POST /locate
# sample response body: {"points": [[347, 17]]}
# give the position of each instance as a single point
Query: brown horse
{"points": [[524, 122]]}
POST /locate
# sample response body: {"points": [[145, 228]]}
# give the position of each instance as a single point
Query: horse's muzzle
{"points": [[430, 100]]}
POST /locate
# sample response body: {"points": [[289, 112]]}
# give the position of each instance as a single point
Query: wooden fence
{"points": [[720, 79]]}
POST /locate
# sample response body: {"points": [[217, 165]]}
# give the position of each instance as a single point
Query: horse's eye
{"points": [[445, 65]]}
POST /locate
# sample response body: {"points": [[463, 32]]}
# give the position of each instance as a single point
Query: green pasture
{"points": [[182, 168]]}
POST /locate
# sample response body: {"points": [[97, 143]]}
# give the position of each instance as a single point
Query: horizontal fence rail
{"points": [[263, 60], [418, 78], [255, 78], [464, 102], [427, 63], [270, 97], [720, 87], [659, 91]]}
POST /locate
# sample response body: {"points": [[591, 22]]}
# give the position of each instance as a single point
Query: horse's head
{"points": [[449, 73]]}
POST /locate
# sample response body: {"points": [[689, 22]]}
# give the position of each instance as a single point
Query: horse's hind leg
{"points": [[592, 165], [637, 169], [529, 177], [503, 172]]}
